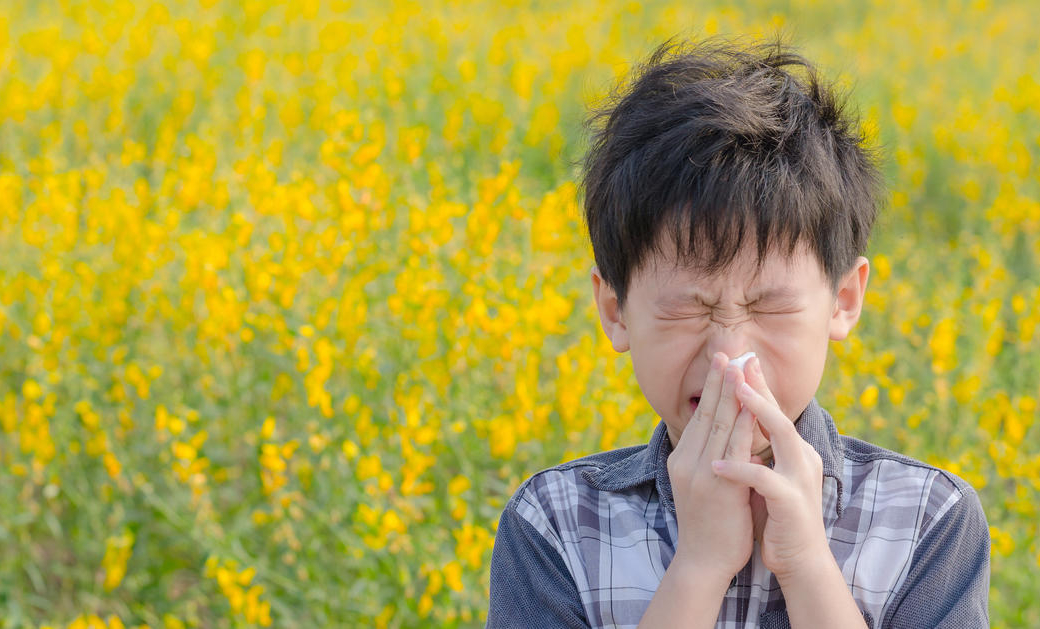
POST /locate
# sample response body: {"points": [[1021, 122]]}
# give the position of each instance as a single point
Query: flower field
{"points": [[293, 295]]}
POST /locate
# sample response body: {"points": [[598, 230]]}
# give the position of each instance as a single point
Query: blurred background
{"points": [[294, 295]]}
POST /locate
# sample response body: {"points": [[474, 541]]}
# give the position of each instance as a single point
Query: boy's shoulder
{"points": [[603, 470], [582, 492], [915, 536], [894, 490], [861, 453]]}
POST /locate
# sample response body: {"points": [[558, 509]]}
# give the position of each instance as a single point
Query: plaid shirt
{"points": [[586, 543]]}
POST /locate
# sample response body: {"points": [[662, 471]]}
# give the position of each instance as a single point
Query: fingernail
{"points": [[717, 361], [755, 365], [745, 389], [718, 466]]}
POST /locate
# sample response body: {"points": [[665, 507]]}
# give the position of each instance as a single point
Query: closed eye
{"points": [[685, 315], [768, 313]]}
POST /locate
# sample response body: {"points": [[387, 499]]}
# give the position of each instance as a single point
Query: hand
{"points": [[757, 380], [794, 537], [713, 513]]}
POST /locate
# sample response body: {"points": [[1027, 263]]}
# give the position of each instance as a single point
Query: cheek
{"points": [[669, 341], [661, 360], [660, 354], [795, 368]]}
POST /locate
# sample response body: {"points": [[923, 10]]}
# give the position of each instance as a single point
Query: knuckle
{"points": [[815, 461], [718, 427]]}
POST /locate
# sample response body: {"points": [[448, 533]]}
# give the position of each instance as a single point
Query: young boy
{"points": [[729, 200]]}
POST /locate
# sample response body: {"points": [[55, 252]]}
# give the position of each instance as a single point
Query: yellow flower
{"points": [[112, 465], [458, 484], [267, 429], [1003, 543], [868, 399], [31, 390], [368, 467], [453, 575], [943, 345], [896, 395], [117, 553]]}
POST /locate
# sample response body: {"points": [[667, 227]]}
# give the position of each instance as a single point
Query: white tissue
{"points": [[739, 361]]}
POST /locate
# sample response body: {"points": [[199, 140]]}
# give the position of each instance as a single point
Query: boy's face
{"points": [[675, 320]]}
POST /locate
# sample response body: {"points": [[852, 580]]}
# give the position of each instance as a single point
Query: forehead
{"points": [[662, 274]]}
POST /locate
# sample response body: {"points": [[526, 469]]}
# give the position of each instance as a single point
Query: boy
{"points": [[729, 202]]}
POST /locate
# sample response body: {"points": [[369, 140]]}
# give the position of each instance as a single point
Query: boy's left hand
{"points": [[794, 537]]}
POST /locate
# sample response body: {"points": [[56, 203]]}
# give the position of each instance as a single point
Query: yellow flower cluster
{"points": [[93, 621], [233, 583], [117, 552]]}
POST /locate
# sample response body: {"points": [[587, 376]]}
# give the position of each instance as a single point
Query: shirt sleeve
{"points": [[948, 582], [530, 584]]}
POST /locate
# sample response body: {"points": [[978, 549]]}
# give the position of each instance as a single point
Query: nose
{"points": [[730, 339]]}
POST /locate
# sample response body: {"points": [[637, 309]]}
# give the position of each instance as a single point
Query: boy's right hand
{"points": [[713, 514]]}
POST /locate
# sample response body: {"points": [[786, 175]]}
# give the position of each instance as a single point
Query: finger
{"points": [[765, 481], [725, 416], [783, 436], [700, 423], [739, 446], [757, 379], [713, 386]]}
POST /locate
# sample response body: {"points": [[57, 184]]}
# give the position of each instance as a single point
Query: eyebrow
{"points": [[692, 297], [696, 298]]}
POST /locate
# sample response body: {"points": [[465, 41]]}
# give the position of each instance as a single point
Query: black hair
{"points": [[714, 140]]}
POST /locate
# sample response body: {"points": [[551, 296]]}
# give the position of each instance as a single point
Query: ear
{"points": [[611, 318], [848, 303]]}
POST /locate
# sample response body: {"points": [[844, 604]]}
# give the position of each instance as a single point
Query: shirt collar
{"points": [[815, 425]]}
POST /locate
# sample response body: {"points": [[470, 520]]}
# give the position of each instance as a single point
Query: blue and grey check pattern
{"points": [[586, 543]]}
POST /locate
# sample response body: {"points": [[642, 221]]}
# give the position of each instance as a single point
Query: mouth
{"points": [[694, 401]]}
